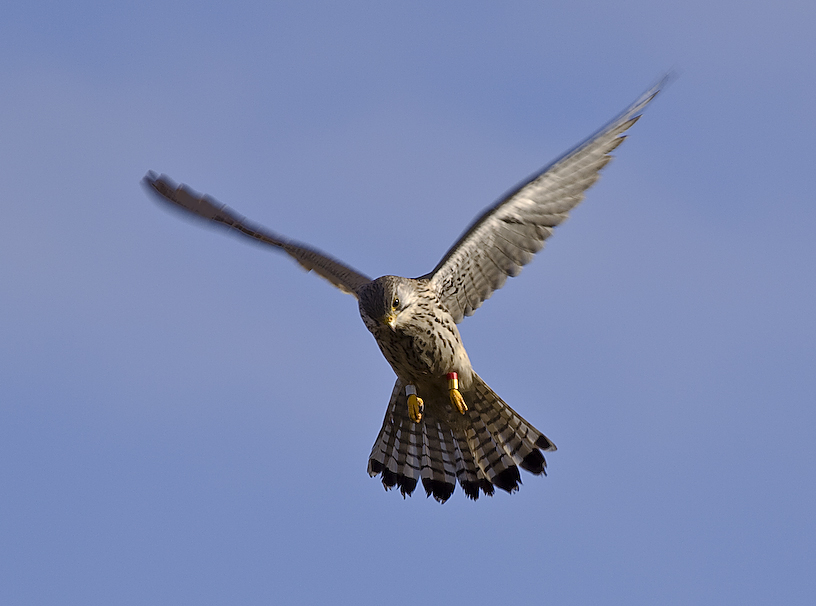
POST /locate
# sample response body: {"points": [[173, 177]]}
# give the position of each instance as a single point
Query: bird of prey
{"points": [[443, 423]]}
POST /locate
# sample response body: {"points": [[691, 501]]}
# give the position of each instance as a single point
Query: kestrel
{"points": [[443, 422]]}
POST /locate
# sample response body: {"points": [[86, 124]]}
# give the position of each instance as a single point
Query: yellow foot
{"points": [[455, 395], [415, 408], [458, 401]]}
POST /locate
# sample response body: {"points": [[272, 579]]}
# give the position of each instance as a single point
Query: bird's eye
{"points": [[396, 302]]}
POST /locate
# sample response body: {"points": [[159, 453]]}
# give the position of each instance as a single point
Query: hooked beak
{"points": [[389, 320]]}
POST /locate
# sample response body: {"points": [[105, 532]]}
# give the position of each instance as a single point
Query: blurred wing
{"points": [[508, 234], [181, 196]]}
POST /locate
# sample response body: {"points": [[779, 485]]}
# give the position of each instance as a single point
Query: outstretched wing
{"points": [[508, 234], [181, 196]]}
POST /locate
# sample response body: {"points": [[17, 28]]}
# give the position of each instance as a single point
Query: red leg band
{"points": [[453, 380]]}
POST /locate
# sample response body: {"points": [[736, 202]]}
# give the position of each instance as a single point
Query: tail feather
{"points": [[521, 441], [438, 460], [482, 452], [408, 462], [382, 453], [491, 456], [467, 472], [394, 454], [486, 485]]}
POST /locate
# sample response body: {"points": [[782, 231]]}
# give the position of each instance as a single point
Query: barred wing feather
{"points": [[183, 197], [508, 234]]}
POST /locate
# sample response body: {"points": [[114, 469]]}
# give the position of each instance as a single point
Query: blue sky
{"points": [[186, 418]]}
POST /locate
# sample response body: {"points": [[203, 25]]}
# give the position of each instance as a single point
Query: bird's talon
{"points": [[455, 395], [415, 408], [458, 401]]}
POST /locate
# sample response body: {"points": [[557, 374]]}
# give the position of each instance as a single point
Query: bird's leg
{"points": [[455, 395], [415, 404]]}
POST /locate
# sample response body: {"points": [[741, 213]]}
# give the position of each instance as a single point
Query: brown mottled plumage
{"points": [[414, 324]]}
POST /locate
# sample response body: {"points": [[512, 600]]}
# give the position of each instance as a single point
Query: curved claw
{"points": [[415, 408], [458, 401]]}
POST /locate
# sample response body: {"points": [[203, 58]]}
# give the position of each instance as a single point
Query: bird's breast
{"points": [[422, 351]]}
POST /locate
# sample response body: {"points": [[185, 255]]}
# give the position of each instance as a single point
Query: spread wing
{"points": [[181, 196], [508, 234]]}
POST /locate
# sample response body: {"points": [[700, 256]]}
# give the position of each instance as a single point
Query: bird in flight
{"points": [[443, 423]]}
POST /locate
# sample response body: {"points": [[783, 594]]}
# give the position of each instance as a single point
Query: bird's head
{"points": [[383, 301]]}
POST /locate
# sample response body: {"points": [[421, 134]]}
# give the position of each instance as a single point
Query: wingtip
{"points": [[661, 85], [160, 185], [149, 180], [671, 75], [152, 179]]}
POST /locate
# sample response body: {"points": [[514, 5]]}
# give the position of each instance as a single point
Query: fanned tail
{"points": [[482, 450]]}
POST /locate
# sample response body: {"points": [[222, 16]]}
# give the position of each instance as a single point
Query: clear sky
{"points": [[185, 418]]}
